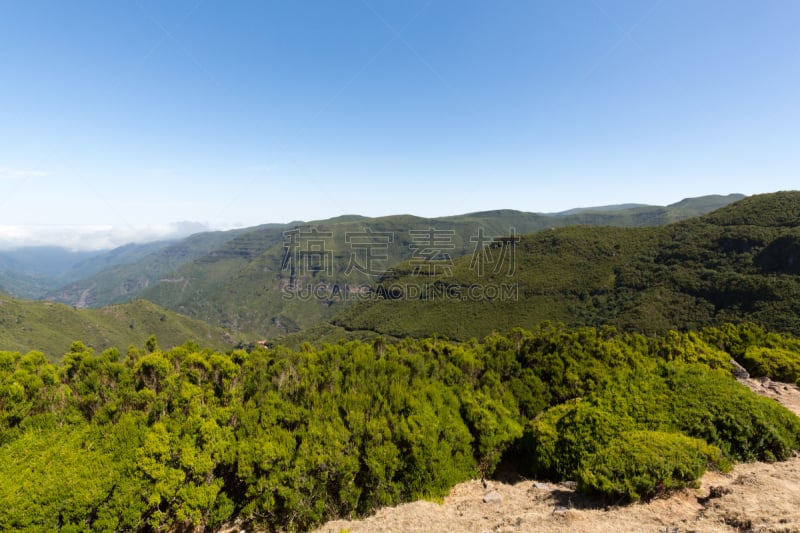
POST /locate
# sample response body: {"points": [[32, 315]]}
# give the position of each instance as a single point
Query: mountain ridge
{"points": [[245, 286], [236, 279], [702, 271]]}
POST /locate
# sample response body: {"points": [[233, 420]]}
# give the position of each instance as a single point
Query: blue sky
{"points": [[118, 120]]}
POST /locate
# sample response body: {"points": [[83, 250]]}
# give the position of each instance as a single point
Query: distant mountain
{"points": [[46, 261], [688, 207], [600, 209], [705, 204], [127, 273], [741, 262], [256, 284], [33, 272], [238, 279], [50, 328], [121, 255]]}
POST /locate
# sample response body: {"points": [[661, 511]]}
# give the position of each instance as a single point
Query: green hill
{"points": [[33, 272], [252, 284], [738, 263], [646, 215], [236, 279], [248, 285], [24, 285], [51, 328], [127, 274]]}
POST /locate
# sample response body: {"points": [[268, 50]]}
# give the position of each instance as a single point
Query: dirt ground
{"points": [[753, 497]]}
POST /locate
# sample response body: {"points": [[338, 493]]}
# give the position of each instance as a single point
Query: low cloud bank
{"points": [[93, 237]]}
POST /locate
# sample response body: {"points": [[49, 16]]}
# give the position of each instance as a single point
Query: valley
{"points": [[418, 266], [322, 374], [237, 279]]}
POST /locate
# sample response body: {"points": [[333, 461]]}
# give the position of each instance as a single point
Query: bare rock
{"points": [[738, 370], [714, 492], [492, 497]]}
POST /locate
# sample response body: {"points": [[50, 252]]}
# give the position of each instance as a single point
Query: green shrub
{"points": [[644, 464], [776, 363], [714, 407], [676, 398], [763, 354], [558, 441], [282, 438], [493, 427]]}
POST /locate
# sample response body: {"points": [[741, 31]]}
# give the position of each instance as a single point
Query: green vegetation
{"points": [[285, 438], [701, 415], [740, 263], [33, 272], [646, 464], [631, 399], [49, 327], [761, 353], [245, 285], [119, 275], [235, 280]]}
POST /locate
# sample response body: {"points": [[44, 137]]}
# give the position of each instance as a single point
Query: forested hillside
{"points": [[738, 263], [195, 275], [247, 285], [123, 280], [34, 271], [247, 281], [135, 428], [189, 438]]}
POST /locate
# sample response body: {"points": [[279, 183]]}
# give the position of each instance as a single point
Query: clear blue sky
{"points": [[125, 117]]}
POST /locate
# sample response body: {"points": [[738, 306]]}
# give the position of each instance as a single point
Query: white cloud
{"points": [[93, 237]]}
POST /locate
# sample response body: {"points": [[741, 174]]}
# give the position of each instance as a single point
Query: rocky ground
{"points": [[753, 497]]}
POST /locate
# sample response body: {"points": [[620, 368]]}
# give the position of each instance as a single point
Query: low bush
{"points": [[714, 407], [558, 441], [644, 464], [776, 363], [572, 440]]}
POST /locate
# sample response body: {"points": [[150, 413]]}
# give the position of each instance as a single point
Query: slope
{"points": [[30, 272], [275, 281], [738, 263], [754, 496], [123, 279], [50, 328]]}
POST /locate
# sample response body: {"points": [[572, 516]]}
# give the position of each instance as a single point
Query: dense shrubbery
{"points": [[289, 438], [763, 354], [776, 363], [643, 464], [690, 402]]}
